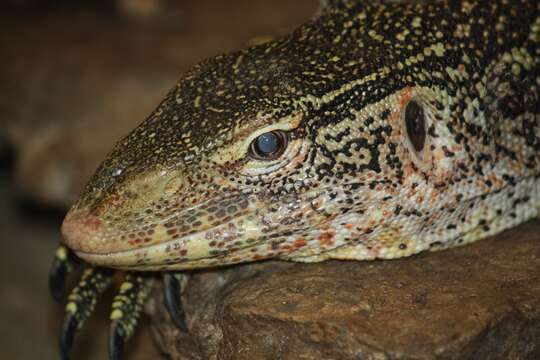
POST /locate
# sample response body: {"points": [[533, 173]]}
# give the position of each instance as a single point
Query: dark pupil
{"points": [[414, 120], [267, 144]]}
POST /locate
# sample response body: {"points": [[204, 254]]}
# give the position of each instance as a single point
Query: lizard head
{"points": [[213, 176], [303, 148]]}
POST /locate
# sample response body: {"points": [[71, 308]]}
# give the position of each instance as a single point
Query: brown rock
{"points": [[480, 301]]}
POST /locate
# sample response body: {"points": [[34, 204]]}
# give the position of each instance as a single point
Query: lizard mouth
{"points": [[131, 228], [190, 252], [158, 257], [243, 236], [198, 249]]}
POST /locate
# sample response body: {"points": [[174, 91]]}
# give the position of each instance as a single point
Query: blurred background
{"points": [[76, 76]]}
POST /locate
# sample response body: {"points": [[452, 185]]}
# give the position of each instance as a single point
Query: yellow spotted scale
{"points": [[378, 130]]}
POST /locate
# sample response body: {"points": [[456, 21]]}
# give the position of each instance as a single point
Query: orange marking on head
{"points": [[300, 242], [327, 238], [298, 159], [456, 148], [408, 170], [411, 193], [222, 181], [115, 199], [405, 97], [93, 222], [496, 181]]}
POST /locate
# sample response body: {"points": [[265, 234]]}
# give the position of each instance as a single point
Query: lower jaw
{"points": [[152, 258], [133, 261], [189, 252], [179, 254]]}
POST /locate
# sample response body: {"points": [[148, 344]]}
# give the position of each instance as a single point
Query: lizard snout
{"points": [[84, 232], [209, 234]]}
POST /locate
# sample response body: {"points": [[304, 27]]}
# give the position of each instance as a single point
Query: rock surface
{"points": [[480, 301]]}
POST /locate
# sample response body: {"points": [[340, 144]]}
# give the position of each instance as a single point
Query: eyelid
{"points": [[255, 167], [267, 129]]}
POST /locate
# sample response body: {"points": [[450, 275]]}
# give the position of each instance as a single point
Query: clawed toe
{"points": [[173, 303], [63, 263], [126, 309], [81, 303], [117, 340], [67, 335]]}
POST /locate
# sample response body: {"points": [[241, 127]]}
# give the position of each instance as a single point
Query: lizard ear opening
{"points": [[414, 125]]}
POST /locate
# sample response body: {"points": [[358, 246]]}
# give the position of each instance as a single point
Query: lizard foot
{"points": [[81, 303], [64, 262], [126, 309], [127, 304]]}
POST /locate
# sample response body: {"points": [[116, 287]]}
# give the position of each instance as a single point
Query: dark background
{"points": [[74, 77]]}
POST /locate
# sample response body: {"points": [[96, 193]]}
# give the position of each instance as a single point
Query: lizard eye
{"points": [[269, 146], [416, 125]]}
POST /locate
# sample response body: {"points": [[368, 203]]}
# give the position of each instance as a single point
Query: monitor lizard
{"points": [[375, 131]]}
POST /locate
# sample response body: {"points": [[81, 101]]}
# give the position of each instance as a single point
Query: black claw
{"points": [[116, 342], [173, 302], [60, 268], [81, 302], [57, 280], [66, 337]]}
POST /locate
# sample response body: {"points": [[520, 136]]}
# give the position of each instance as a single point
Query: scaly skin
{"points": [[183, 190]]}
